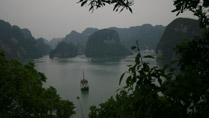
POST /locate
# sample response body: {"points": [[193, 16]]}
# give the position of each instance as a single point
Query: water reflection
{"points": [[85, 94]]}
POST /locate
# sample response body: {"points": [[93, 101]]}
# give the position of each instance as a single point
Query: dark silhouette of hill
{"points": [[147, 35], [105, 43], [19, 43], [79, 39], [42, 46], [63, 50], [175, 32], [53, 43], [74, 43]]}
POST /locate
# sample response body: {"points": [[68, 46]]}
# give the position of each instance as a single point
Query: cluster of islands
{"points": [[19, 43]]}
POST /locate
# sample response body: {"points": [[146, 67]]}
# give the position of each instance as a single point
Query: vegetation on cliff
{"points": [[147, 35], [64, 50], [19, 43], [105, 43], [176, 32]]}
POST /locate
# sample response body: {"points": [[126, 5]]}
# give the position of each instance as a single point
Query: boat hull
{"points": [[85, 89]]}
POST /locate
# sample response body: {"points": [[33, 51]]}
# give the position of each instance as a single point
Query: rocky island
{"points": [[105, 43]]}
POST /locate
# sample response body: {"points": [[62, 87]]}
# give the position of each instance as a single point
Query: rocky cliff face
{"points": [[73, 44], [64, 50], [19, 43], [105, 43], [175, 32], [79, 39], [42, 47], [147, 35], [53, 43]]}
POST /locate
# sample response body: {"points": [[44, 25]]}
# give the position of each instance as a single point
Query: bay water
{"points": [[103, 76]]}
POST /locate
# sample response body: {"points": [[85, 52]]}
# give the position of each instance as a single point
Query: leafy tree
{"points": [[22, 94], [140, 97], [119, 5], [178, 29], [198, 7], [194, 61], [154, 92]]}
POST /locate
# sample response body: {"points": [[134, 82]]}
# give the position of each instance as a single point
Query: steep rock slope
{"points": [[19, 43], [176, 31], [105, 43]]}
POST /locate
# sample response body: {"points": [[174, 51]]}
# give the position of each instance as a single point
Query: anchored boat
{"points": [[84, 84]]}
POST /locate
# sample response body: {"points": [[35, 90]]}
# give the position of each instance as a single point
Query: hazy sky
{"points": [[56, 18]]}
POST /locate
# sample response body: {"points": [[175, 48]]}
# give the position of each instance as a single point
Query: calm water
{"points": [[103, 76]]}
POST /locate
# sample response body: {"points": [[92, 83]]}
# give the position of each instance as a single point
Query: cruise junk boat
{"points": [[84, 84]]}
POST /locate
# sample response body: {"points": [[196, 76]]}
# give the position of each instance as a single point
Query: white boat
{"points": [[90, 59], [84, 84]]}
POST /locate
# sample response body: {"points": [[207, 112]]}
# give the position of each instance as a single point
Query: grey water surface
{"points": [[103, 75]]}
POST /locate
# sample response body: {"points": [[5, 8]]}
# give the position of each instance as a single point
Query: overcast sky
{"points": [[56, 18]]}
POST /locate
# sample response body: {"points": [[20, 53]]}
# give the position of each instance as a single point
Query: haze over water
{"points": [[103, 75]]}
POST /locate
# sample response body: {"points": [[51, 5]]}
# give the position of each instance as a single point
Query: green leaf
{"points": [[116, 5], [173, 62], [128, 81], [121, 77], [160, 81], [149, 56], [83, 3], [133, 47], [130, 9], [137, 58]]}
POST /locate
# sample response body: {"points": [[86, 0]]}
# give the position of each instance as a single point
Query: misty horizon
{"points": [[51, 18]]}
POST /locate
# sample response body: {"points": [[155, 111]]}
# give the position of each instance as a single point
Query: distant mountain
{"points": [[19, 43], [74, 43], [105, 43], [53, 43], [64, 50], [147, 35], [76, 39], [42, 46], [45, 41], [79, 39], [175, 32], [88, 31], [26, 33]]}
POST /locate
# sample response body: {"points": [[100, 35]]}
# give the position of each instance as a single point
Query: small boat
{"points": [[90, 59], [84, 84]]}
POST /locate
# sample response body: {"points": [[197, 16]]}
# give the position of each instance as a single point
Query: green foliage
{"points": [[175, 32], [22, 94], [198, 7], [152, 92], [119, 5], [142, 95], [108, 110], [198, 49], [195, 67]]}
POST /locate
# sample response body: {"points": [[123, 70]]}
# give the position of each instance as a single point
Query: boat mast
{"points": [[83, 73]]}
